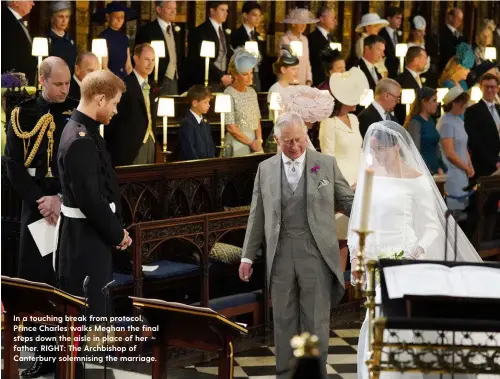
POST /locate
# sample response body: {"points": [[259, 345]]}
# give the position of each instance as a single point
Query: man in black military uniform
{"points": [[90, 224], [33, 136]]}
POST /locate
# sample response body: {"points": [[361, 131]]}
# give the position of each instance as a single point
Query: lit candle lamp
{"points": [[407, 98], [274, 105], [222, 106], [336, 46], [40, 49], [252, 47], [165, 109], [367, 196], [159, 48], [207, 51], [100, 49], [401, 49], [297, 48], [101, 130], [441, 93], [366, 98]]}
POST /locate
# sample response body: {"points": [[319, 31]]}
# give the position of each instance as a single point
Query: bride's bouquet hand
{"points": [[415, 253]]}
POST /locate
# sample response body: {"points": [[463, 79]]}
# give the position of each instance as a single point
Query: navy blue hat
{"points": [[115, 6]]}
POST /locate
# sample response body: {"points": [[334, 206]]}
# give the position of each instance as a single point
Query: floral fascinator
{"points": [[244, 60], [465, 55], [312, 104]]}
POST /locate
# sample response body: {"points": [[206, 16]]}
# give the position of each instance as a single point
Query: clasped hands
{"points": [[50, 207], [126, 242], [256, 145]]}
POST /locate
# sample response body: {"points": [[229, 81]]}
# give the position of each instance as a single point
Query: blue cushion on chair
{"points": [[232, 300], [122, 279], [169, 269]]}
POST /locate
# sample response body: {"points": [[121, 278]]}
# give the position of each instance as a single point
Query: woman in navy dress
{"points": [[60, 43], [118, 60], [422, 128]]}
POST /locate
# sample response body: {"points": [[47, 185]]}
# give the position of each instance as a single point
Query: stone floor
{"points": [[258, 363]]}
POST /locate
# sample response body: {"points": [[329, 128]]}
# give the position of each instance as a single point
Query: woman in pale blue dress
{"points": [[454, 144], [244, 133]]}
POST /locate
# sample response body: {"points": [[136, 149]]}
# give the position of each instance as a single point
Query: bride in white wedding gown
{"points": [[407, 214]]}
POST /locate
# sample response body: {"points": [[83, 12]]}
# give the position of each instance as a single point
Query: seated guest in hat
{"points": [[118, 61], [195, 134], [332, 62], [86, 62], [339, 137], [422, 128], [370, 25], [60, 43], [454, 144], [298, 20]]}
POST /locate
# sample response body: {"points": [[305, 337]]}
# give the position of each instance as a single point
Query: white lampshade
{"points": [[366, 98], [100, 47], [207, 49], [401, 49], [476, 94], [296, 47], [166, 107], [252, 47], [159, 48], [222, 103], [40, 47], [441, 93], [336, 46], [490, 53], [274, 103], [407, 96]]}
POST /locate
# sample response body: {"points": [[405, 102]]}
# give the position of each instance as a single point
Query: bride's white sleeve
{"points": [[426, 221]]}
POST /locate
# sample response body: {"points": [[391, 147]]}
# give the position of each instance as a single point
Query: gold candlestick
{"points": [[360, 267]]}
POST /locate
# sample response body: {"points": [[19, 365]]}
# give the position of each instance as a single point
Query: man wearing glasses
{"points": [[387, 95]]}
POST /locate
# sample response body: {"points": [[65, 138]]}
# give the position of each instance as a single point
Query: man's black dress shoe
{"points": [[41, 369], [29, 369]]}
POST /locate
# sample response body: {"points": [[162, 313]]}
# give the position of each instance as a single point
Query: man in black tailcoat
{"points": [[33, 136]]}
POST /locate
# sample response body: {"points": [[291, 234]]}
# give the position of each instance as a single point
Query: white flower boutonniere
{"points": [[25, 23], [177, 28], [228, 31], [400, 33], [260, 38]]}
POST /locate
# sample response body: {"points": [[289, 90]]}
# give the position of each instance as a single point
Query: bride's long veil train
{"points": [[407, 213]]}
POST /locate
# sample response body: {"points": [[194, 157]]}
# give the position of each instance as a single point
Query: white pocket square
{"points": [[323, 183]]}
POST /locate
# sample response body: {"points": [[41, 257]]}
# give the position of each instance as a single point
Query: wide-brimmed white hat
{"points": [[347, 87], [452, 94], [299, 16], [370, 19]]}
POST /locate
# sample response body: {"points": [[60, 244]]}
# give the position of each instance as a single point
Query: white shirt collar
{"points": [[215, 24], [413, 73], [16, 15], [198, 118], [368, 64], [323, 31], [453, 30], [248, 29], [140, 79], [300, 160], [489, 104], [163, 24], [390, 31], [380, 109], [76, 80]]}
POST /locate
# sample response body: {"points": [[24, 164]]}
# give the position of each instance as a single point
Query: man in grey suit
{"points": [[294, 200]]}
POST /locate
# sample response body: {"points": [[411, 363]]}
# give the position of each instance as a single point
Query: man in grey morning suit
{"points": [[293, 207]]}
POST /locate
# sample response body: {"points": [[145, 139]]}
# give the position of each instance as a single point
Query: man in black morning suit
{"points": [[32, 171], [163, 29], [251, 12], [416, 60], [387, 95], [482, 124], [16, 40], [373, 52], [130, 134], [391, 36], [450, 36], [319, 39], [86, 62], [211, 30]]}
